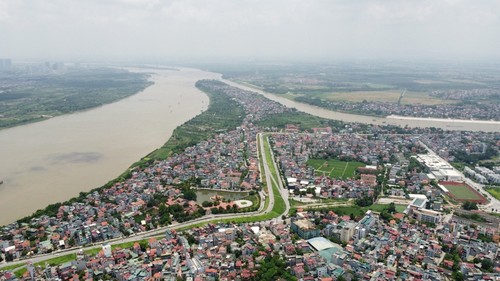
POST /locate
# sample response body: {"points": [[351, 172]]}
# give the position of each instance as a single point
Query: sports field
{"points": [[334, 168], [463, 192]]}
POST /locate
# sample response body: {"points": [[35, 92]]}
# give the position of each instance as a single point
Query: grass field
{"points": [[57, 260], [495, 161], [52, 262], [391, 96], [462, 192], [359, 211], [12, 267], [303, 120], [279, 204], [495, 191], [334, 168]]}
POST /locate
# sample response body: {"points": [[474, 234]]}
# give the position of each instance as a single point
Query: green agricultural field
{"points": [[462, 192], [335, 168], [390, 96]]}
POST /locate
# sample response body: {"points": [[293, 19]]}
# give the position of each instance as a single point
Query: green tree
{"points": [[458, 276], [392, 208], [364, 201], [144, 245], [467, 205], [190, 238], [273, 268], [385, 215], [237, 253], [189, 194], [9, 257], [486, 264], [207, 204]]}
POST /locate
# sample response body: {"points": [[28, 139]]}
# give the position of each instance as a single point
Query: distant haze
{"points": [[259, 29]]}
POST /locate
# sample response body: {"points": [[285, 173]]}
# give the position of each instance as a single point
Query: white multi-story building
{"points": [[439, 168]]}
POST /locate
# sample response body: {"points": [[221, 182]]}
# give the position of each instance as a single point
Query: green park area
{"points": [[335, 168], [495, 191]]}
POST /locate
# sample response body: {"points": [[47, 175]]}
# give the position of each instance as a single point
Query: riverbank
{"points": [[54, 160], [35, 97], [458, 125], [489, 122]]}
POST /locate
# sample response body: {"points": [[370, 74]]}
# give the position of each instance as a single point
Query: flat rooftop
{"points": [[321, 243], [305, 224]]}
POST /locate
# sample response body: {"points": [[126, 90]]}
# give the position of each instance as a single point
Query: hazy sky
{"points": [[257, 29]]}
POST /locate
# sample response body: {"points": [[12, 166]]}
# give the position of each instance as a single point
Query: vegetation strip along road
{"points": [[223, 113], [273, 207]]}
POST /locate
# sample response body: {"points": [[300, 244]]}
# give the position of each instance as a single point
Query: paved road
{"points": [[270, 179], [138, 236], [283, 189], [277, 181], [160, 231], [267, 172]]}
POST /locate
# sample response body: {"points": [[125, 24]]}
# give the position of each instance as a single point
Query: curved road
{"points": [[270, 179], [282, 189]]}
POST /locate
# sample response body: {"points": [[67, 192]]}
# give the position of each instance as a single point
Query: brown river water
{"points": [[54, 160]]}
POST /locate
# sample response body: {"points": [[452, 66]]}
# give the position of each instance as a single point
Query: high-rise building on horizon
{"points": [[5, 64]]}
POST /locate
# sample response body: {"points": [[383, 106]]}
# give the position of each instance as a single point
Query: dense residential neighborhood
{"points": [[462, 111], [365, 206]]}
